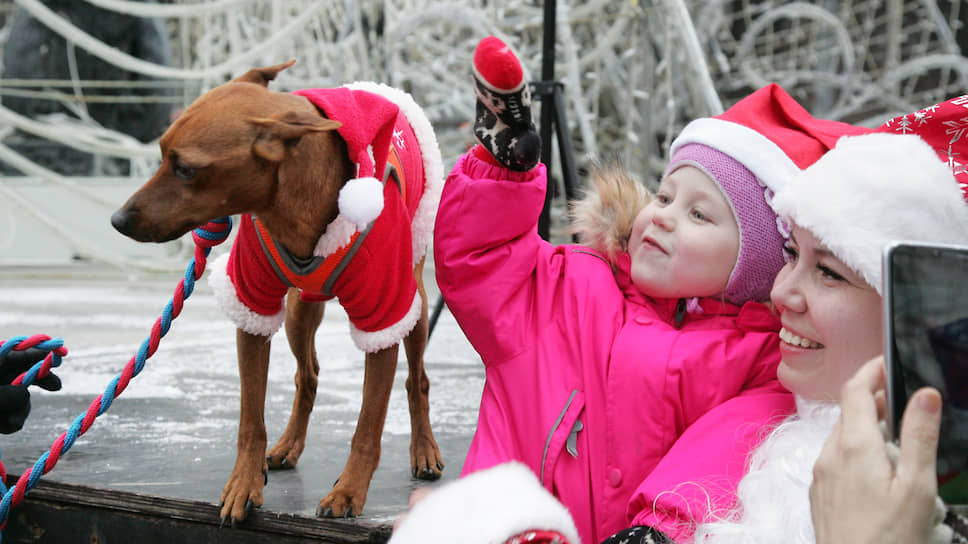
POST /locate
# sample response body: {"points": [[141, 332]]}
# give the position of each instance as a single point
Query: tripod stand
{"points": [[551, 93], [552, 97]]}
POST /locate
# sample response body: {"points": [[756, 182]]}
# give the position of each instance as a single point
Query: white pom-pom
{"points": [[361, 201]]}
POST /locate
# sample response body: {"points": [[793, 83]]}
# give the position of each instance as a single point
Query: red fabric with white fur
{"points": [[377, 288], [538, 537]]}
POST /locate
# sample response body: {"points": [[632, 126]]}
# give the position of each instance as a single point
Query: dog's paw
{"points": [[239, 496], [276, 463], [340, 504], [284, 455], [427, 473], [425, 460], [231, 520], [328, 513]]}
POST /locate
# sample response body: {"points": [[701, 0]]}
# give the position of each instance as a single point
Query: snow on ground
{"points": [[172, 432]]}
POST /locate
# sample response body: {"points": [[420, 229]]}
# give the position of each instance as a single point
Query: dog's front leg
{"points": [[302, 320], [349, 494], [244, 488]]}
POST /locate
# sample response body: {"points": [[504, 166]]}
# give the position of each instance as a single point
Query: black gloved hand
{"points": [[14, 407], [15, 363], [639, 534], [503, 124]]}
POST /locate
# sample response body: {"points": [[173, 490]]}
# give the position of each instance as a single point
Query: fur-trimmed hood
{"points": [[603, 219]]}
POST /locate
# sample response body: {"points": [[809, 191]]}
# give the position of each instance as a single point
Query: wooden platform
{"points": [[61, 513]]}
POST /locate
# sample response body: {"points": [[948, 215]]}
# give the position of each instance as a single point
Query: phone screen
{"points": [[926, 310]]}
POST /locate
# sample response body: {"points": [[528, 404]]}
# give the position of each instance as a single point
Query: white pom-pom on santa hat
{"points": [[361, 201]]}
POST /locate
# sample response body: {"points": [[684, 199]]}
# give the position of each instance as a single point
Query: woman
{"points": [[844, 210]]}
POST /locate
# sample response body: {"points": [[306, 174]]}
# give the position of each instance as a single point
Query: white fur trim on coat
{"points": [[486, 507], [337, 234], [423, 221], [768, 162], [237, 312], [375, 341], [871, 190]]}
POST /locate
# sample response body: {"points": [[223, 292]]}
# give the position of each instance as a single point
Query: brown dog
{"points": [[282, 160]]}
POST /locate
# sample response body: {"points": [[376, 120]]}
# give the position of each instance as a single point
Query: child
{"points": [[597, 359]]}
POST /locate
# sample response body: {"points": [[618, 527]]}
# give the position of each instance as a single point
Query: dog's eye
{"points": [[183, 171]]}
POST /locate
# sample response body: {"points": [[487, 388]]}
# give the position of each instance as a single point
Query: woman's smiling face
{"points": [[832, 320]]}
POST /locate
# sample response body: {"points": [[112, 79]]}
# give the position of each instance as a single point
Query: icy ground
{"points": [[172, 432]]}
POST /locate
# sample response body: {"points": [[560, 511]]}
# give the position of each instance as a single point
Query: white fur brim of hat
{"points": [[871, 190], [760, 155], [486, 507]]}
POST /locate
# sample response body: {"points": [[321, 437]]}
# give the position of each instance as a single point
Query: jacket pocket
{"points": [[563, 436]]}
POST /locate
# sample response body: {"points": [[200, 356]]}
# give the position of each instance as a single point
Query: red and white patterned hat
{"points": [[944, 127]]}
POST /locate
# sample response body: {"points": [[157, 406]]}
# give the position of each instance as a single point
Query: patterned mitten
{"points": [[503, 125]]}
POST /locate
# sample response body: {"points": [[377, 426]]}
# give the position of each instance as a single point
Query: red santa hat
{"points": [[367, 121], [905, 182], [769, 133], [751, 151]]}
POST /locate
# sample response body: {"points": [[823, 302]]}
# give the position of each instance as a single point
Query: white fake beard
{"points": [[773, 499]]}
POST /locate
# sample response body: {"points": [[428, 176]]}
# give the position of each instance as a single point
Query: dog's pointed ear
{"points": [[264, 75], [285, 129]]}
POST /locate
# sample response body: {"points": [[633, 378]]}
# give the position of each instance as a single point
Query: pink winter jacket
{"points": [[587, 381]]}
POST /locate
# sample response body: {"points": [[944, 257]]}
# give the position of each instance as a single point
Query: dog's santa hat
{"points": [[368, 113], [751, 151], [907, 181]]}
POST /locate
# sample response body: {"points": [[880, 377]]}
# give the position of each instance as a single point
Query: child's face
{"points": [[685, 242], [831, 319]]}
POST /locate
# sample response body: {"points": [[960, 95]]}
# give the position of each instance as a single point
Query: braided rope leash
{"points": [[55, 351], [54, 347], [205, 238]]}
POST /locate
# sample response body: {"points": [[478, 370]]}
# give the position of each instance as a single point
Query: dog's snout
{"points": [[121, 220]]}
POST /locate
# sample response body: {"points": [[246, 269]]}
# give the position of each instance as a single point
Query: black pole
{"points": [[547, 111]]}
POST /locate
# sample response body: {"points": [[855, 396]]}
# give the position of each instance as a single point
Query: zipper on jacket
{"points": [[572, 443], [680, 312], [551, 433]]}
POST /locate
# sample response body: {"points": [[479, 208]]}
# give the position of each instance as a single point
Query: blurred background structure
{"points": [[88, 85]]}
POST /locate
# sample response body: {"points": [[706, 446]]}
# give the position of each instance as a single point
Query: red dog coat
{"points": [[369, 271]]}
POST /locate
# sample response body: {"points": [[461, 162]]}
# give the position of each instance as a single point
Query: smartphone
{"points": [[926, 339]]}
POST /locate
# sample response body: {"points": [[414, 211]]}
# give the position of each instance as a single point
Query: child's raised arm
{"points": [[499, 278]]}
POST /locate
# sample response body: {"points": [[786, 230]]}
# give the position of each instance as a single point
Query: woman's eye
{"points": [[790, 253], [828, 272], [183, 171]]}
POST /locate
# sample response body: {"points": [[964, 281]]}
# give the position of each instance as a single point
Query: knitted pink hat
{"points": [[752, 150]]}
